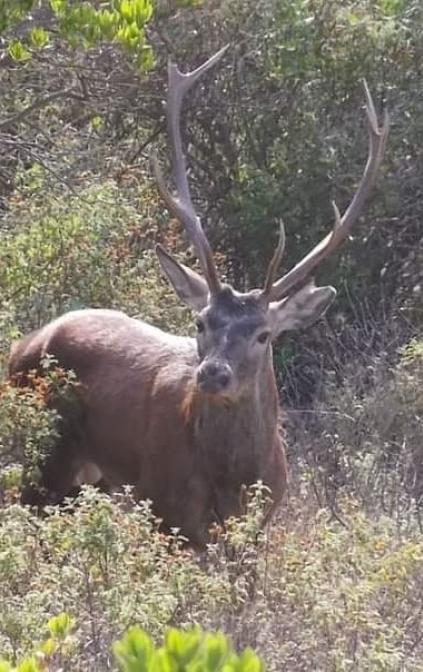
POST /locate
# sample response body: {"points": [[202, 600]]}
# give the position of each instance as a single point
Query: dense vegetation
{"points": [[277, 131]]}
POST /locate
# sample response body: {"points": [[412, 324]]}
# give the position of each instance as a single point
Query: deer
{"points": [[188, 422]]}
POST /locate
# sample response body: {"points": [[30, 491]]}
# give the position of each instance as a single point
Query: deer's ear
{"points": [[300, 309], [189, 286]]}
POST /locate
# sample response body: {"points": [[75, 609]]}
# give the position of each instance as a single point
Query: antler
{"points": [[181, 205], [343, 224], [274, 264]]}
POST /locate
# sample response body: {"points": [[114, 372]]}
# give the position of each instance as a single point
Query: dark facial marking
{"points": [[232, 322], [227, 305]]}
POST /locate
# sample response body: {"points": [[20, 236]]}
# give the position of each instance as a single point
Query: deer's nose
{"points": [[214, 376]]}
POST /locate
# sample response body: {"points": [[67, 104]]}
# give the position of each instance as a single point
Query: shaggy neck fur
{"points": [[235, 440]]}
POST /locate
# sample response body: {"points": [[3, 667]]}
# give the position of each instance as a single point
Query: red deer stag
{"points": [[187, 421]]}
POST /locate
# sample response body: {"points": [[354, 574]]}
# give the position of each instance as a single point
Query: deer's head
{"points": [[235, 330]]}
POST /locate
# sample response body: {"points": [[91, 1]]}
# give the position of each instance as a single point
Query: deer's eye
{"points": [[200, 326], [263, 337]]}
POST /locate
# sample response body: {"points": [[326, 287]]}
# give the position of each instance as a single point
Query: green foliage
{"points": [[84, 23], [299, 138], [18, 51], [120, 21], [86, 251], [39, 37], [315, 594], [412, 355], [182, 651], [13, 10], [348, 584], [29, 425], [56, 648], [105, 564], [328, 589], [28, 431]]}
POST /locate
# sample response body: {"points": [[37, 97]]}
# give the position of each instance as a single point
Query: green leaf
{"points": [[135, 651], [217, 651], [61, 626], [39, 37], [249, 662], [29, 665], [49, 647], [18, 51], [183, 646], [57, 5], [139, 11], [5, 667]]}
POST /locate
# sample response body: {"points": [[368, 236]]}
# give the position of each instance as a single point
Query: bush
{"points": [[184, 651], [106, 567], [93, 250], [364, 436], [30, 422], [82, 24], [313, 594]]}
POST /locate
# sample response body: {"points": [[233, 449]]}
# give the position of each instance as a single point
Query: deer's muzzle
{"points": [[214, 376]]}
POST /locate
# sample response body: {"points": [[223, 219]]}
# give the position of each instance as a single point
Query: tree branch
{"points": [[36, 105]]}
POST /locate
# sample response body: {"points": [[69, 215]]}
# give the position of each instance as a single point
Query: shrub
{"points": [[30, 422], [82, 24], [88, 251], [364, 436], [106, 567], [315, 593], [185, 651]]}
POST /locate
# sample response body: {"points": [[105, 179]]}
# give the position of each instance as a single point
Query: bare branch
{"points": [[36, 105]]}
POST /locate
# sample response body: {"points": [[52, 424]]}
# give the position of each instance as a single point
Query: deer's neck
{"points": [[235, 440]]}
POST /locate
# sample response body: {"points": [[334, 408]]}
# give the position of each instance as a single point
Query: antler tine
{"points": [[274, 264], [181, 205], [343, 224]]}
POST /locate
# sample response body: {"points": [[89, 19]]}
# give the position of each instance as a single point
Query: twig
{"points": [[36, 105]]}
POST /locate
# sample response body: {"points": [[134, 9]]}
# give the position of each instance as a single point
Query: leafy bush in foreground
{"points": [[313, 594], [182, 651]]}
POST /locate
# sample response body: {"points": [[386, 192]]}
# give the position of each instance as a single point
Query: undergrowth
{"points": [[311, 594], [336, 582]]}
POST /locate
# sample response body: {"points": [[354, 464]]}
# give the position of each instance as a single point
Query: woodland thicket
{"points": [[277, 130]]}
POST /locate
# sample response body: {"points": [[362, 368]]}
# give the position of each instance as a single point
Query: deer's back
{"points": [[132, 377]]}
